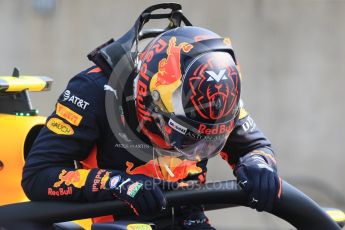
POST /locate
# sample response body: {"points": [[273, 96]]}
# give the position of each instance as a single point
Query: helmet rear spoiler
{"points": [[107, 55]]}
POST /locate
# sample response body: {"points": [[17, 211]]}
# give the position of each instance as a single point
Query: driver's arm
{"points": [[77, 124], [250, 154], [71, 131]]}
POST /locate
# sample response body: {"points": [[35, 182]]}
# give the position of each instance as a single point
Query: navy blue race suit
{"points": [[79, 124]]}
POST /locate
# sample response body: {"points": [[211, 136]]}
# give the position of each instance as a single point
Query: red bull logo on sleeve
{"points": [[77, 178], [100, 180], [60, 192]]}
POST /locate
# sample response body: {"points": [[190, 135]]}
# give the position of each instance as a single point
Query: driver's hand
{"points": [[259, 180], [143, 194]]}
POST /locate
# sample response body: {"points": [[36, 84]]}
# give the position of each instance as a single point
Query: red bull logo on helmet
{"points": [[217, 129], [144, 80], [168, 78], [169, 68]]}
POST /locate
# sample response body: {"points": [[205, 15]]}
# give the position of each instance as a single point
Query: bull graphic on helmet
{"points": [[168, 77]]}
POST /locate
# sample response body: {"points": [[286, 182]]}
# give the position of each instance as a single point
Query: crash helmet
{"points": [[187, 92]]}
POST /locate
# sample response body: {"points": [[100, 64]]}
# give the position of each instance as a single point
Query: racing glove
{"points": [[257, 176], [143, 194]]}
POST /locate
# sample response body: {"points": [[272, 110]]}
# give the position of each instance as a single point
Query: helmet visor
{"points": [[185, 141]]}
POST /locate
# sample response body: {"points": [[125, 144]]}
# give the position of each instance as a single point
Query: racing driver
{"points": [[186, 108]]}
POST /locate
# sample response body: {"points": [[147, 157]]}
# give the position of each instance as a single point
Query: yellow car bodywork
{"points": [[17, 133], [14, 133]]}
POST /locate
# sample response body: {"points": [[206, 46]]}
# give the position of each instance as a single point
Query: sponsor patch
{"points": [[97, 180], [176, 126], [249, 125], [133, 189], [111, 89], [122, 184], [217, 129], [60, 191], [67, 96], [216, 76], [76, 178], [104, 180], [132, 146], [59, 127], [114, 181], [68, 114]]}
